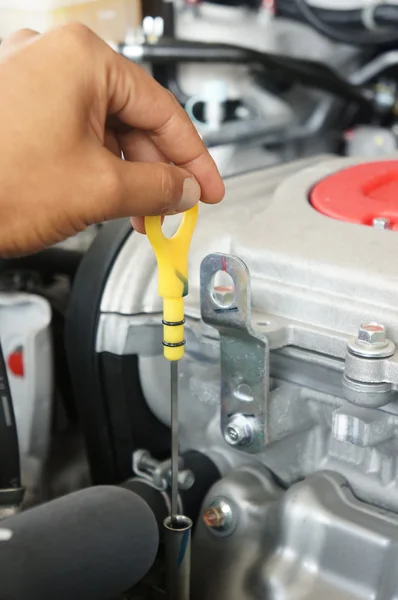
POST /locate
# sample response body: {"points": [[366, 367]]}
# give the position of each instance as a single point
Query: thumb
{"points": [[148, 189]]}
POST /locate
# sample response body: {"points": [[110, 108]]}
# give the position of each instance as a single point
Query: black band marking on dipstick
{"points": [[176, 345], [173, 323]]}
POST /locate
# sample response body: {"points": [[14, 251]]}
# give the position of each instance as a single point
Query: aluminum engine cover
{"points": [[331, 414]]}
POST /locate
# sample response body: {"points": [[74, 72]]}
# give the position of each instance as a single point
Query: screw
{"points": [[239, 432], [218, 515], [372, 334], [381, 223]]}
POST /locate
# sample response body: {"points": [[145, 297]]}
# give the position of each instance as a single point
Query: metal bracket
{"points": [[244, 353]]}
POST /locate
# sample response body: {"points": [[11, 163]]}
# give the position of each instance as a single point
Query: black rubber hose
{"points": [[167, 74], [352, 38], [307, 72], [49, 262], [10, 468], [385, 15], [340, 18]]}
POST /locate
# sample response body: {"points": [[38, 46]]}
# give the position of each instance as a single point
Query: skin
{"points": [[69, 107]]}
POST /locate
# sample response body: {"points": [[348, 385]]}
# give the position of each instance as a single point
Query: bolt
{"points": [[371, 342], [239, 432], [381, 223], [372, 334], [218, 515], [223, 295]]}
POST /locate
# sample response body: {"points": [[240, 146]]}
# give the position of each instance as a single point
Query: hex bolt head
{"points": [[218, 515], [239, 431], [381, 223], [371, 342], [373, 334], [223, 296]]}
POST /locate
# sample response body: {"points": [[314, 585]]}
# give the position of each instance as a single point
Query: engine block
{"points": [[290, 377]]}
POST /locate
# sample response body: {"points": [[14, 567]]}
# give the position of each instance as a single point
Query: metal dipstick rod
{"points": [[174, 441], [172, 259]]}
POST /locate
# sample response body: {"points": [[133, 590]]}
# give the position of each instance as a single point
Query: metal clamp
{"points": [[159, 473], [244, 353]]}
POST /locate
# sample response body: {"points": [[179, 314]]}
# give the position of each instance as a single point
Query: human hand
{"points": [[69, 106]]}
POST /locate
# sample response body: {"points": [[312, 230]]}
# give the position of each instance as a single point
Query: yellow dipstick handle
{"points": [[172, 258]]}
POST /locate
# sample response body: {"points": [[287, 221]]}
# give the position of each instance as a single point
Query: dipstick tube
{"points": [[177, 539]]}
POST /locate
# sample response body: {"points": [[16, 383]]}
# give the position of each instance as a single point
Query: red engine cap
{"points": [[360, 194]]}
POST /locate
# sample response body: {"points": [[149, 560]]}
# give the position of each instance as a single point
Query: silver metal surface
{"points": [[323, 296], [381, 223], [239, 431], [372, 342], [373, 334], [314, 280], [314, 541], [177, 542], [159, 472], [244, 354], [174, 439], [362, 426], [219, 516]]}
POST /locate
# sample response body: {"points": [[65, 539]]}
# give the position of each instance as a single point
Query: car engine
{"points": [[288, 387], [288, 406]]}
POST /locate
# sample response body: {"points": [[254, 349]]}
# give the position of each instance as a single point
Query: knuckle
{"points": [[21, 34], [17, 39], [77, 34]]}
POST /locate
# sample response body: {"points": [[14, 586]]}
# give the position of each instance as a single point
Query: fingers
{"points": [[137, 146], [142, 189], [129, 94], [140, 102], [16, 40]]}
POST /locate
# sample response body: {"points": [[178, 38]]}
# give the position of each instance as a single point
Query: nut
{"points": [[239, 432], [218, 515], [372, 334]]}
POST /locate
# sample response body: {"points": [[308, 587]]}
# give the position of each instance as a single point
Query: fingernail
{"points": [[190, 194]]}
